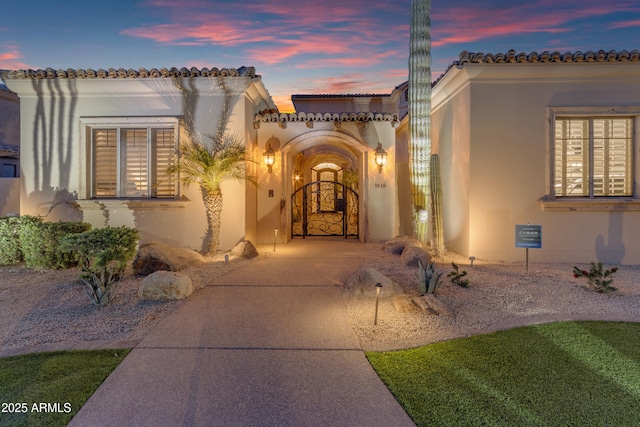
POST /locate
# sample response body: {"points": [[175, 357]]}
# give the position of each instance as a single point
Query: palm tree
{"points": [[208, 169], [420, 112]]}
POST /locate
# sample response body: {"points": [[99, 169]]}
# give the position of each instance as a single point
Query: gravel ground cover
{"points": [[500, 296], [49, 310]]}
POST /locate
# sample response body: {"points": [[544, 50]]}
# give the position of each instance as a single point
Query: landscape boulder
{"points": [[398, 243], [431, 304], [403, 303], [245, 249], [165, 285], [155, 256], [363, 283], [412, 254]]}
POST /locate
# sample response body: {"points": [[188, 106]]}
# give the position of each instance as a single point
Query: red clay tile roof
{"points": [[122, 73]]}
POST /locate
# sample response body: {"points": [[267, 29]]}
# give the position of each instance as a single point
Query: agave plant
{"points": [[208, 168]]}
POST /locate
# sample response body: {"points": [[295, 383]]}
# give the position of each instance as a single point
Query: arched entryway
{"points": [[326, 206], [327, 171]]}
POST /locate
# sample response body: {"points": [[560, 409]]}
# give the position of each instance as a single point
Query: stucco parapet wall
{"points": [[122, 73], [326, 117], [546, 57]]}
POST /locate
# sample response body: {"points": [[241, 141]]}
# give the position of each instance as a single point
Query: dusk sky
{"points": [[302, 46]]}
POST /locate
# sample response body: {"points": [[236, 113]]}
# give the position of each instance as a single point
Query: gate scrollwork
{"points": [[324, 208]]}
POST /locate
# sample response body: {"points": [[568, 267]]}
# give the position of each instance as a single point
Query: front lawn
{"points": [[559, 374], [48, 389]]}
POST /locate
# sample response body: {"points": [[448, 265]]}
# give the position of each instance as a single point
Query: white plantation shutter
{"points": [[132, 162], [572, 157], [134, 171], [163, 156], [593, 157], [105, 162], [612, 157]]}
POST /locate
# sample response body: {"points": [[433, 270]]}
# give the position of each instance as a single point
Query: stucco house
{"points": [[9, 152], [546, 139], [97, 144]]}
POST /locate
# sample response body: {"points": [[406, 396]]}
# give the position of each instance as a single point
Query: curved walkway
{"points": [[269, 344]]}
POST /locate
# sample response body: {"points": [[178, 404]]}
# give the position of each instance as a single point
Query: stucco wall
{"points": [[54, 161], [508, 160], [450, 139]]}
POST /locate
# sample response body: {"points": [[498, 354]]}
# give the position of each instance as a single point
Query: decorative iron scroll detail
{"points": [[324, 208]]}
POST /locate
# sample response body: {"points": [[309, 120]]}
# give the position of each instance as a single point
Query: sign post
{"points": [[528, 236]]}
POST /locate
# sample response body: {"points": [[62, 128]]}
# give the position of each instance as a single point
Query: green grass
{"points": [[559, 374], [67, 379]]}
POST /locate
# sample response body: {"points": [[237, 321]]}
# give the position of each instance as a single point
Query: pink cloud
{"points": [[11, 59], [626, 24], [365, 59], [216, 31], [461, 25], [273, 31]]}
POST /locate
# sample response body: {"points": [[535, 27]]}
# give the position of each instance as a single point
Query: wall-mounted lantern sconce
{"points": [[381, 157], [269, 157]]}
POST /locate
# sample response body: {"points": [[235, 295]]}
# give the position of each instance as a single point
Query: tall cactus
{"points": [[420, 112], [437, 229]]}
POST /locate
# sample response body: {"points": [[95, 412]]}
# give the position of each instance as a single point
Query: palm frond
{"points": [[208, 168]]}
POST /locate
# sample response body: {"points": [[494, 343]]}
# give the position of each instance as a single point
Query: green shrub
{"points": [[10, 238], [599, 280], [40, 242], [103, 255], [457, 276]]}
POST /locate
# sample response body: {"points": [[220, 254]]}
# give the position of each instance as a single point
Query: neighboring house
{"points": [[9, 152], [543, 139]]}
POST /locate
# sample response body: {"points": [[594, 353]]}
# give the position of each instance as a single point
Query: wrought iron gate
{"points": [[324, 208]]}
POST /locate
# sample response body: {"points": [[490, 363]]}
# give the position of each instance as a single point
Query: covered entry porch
{"points": [[324, 179]]}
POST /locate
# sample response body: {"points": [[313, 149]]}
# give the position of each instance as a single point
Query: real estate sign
{"points": [[528, 236]]}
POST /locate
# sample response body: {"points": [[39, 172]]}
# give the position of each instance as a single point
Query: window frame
{"points": [[551, 201], [87, 127]]}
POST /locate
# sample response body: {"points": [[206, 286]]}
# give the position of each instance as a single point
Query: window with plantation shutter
{"points": [[593, 157], [105, 162], [163, 155], [131, 161]]}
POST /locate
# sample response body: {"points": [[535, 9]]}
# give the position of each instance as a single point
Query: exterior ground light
{"points": [[378, 287]]}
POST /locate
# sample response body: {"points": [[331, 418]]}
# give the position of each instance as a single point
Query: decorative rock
{"points": [[155, 256], [404, 304], [245, 249], [165, 285], [363, 283], [398, 243], [431, 304], [411, 255]]}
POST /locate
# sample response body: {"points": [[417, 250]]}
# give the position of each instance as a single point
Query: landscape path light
{"points": [[275, 238], [378, 287]]}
